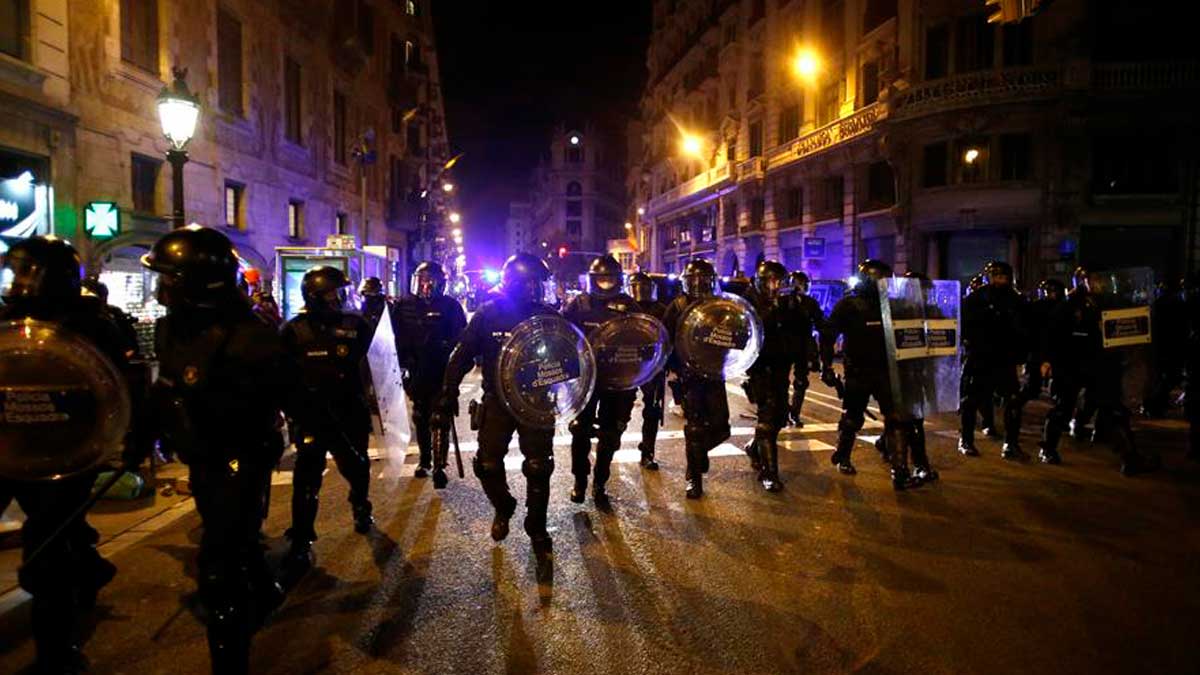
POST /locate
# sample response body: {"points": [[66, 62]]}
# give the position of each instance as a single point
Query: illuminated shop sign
{"points": [[23, 206]]}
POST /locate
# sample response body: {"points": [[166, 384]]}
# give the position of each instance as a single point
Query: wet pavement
{"points": [[997, 568]]}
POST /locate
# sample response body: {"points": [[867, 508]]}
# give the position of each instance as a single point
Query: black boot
{"points": [[296, 563], [648, 462], [751, 450], [902, 479], [769, 473], [1134, 463], [579, 492], [1013, 453], [363, 520], [1048, 452], [967, 447], [504, 514], [439, 479], [421, 472], [881, 447], [694, 488]]}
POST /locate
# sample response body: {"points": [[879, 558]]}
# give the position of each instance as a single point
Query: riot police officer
{"points": [[705, 406], [767, 382], [1192, 382], [522, 284], [220, 389], [807, 357], [374, 300], [330, 413], [1169, 327], [43, 283], [428, 324], [1050, 293], [993, 340], [1076, 358], [607, 413], [644, 292], [858, 318]]}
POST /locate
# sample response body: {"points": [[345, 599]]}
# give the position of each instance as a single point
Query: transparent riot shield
{"points": [[921, 333], [389, 389], [546, 372], [630, 350], [827, 293], [719, 338], [64, 406], [1124, 297]]}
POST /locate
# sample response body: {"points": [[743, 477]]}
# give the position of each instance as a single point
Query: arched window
{"points": [[574, 189]]}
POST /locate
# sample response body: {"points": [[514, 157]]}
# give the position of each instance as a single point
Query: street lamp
{"points": [[641, 210], [447, 187], [178, 110], [806, 64], [971, 155], [455, 217], [628, 226], [692, 145]]}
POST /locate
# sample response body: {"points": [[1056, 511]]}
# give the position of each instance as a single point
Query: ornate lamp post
{"points": [[178, 110]]}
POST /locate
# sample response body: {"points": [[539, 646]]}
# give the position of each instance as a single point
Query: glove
{"points": [[445, 409], [828, 377]]}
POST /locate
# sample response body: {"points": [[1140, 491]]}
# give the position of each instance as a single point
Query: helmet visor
{"points": [[427, 286]]}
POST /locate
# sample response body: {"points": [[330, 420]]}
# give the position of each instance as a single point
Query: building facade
{"points": [[578, 196], [518, 229], [821, 132], [317, 118]]}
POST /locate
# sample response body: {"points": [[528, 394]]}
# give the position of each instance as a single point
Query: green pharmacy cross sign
{"points": [[102, 220]]}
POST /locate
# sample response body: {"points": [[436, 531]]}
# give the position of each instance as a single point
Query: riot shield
{"points": [[719, 338], [546, 371], [827, 293], [389, 389], [64, 406], [921, 333], [630, 350], [1124, 297]]}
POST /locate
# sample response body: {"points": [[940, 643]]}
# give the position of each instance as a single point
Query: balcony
{"points": [[751, 169], [708, 180], [1142, 76], [862, 122], [975, 89]]}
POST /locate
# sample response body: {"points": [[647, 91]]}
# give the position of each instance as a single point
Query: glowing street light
{"points": [[178, 110], [447, 187], [628, 226], [575, 140], [806, 64], [971, 155], [641, 210], [692, 145], [456, 232], [455, 217]]}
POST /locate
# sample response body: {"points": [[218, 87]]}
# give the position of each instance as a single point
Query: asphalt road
{"points": [[998, 568]]}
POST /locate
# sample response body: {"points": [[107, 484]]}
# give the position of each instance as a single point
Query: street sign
{"points": [[102, 220], [341, 242], [814, 247]]}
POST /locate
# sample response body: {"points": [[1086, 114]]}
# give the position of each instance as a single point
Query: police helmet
{"points": [[1050, 289], [770, 277], [522, 278], [42, 268], [699, 279], [800, 282], [370, 287], [428, 281], [870, 271], [642, 287], [997, 273], [605, 277], [197, 266], [324, 289]]}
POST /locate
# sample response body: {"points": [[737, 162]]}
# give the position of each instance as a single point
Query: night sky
{"points": [[510, 72]]}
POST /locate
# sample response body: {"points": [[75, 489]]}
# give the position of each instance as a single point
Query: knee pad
{"points": [[766, 429], [485, 468], [851, 422], [538, 467]]}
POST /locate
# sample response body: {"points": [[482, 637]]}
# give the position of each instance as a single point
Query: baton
{"points": [[84, 508], [839, 386], [457, 450]]}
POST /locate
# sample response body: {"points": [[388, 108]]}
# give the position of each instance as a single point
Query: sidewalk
{"points": [[120, 523]]}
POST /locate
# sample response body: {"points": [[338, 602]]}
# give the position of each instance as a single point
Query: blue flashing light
{"points": [[491, 276]]}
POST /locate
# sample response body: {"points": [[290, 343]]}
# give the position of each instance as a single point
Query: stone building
{"points": [[293, 94], [518, 229], [821, 132]]}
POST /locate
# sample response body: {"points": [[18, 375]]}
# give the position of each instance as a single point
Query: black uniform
{"points": [[811, 318], [784, 345], [1079, 360], [426, 333], [330, 412], [1192, 383], [1037, 325], [1170, 331], [705, 403], [653, 395], [994, 345], [486, 332], [67, 575], [607, 414]]}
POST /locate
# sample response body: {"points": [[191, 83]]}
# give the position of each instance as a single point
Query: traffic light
{"points": [[562, 251]]}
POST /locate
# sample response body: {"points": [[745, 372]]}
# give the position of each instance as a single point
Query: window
{"points": [[1016, 153], [414, 140], [14, 24], [756, 139], [832, 192], [758, 9], [792, 203], [295, 219], [229, 63], [144, 181], [831, 103], [574, 154], [366, 27], [574, 189], [937, 52], [731, 151], [398, 177], [877, 13], [757, 75], [685, 233], [1018, 43], [139, 33], [881, 186], [789, 122], [971, 160], [291, 100], [410, 7], [340, 223], [339, 127], [1144, 165], [574, 227], [870, 82], [397, 119], [933, 165], [731, 216], [757, 208], [833, 24], [412, 55], [974, 44], [574, 208], [233, 205]]}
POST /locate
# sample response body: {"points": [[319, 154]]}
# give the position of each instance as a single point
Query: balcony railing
{"points": [[839, 131], [1137, 76], [709, 179], [751, 169], [972, 89]]}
